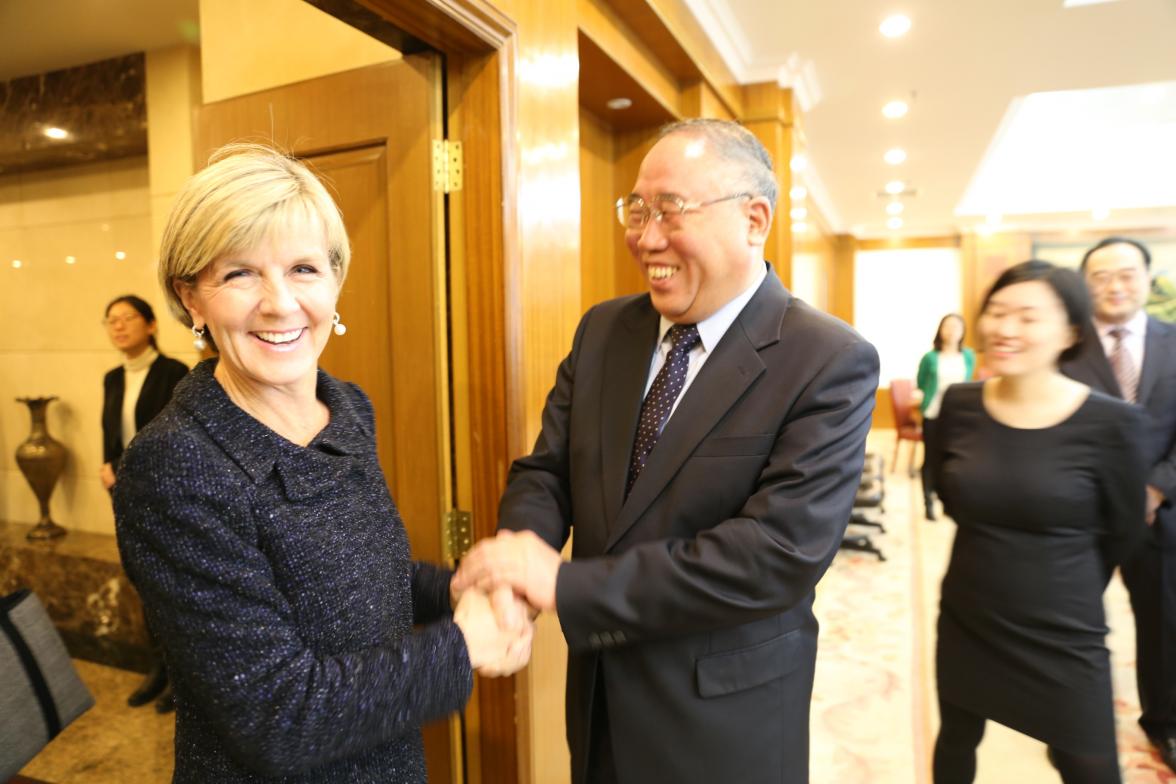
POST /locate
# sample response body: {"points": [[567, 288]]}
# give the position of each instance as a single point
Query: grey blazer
{"points": [[693, 597]]}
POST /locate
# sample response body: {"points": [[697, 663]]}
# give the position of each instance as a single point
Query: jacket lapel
{"points": [[626, 369], [729, 371], [1094, 365], [1155, 355]]}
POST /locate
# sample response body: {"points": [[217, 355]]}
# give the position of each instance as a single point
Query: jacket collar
{"points": [[258, 450]]}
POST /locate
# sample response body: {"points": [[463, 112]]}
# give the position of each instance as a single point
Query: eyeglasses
{"points": [[1126, 277], [115, 321], [667, 209]]}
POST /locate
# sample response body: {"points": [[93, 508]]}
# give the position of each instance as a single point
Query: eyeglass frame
{"points": [[110, 322], [658, 215]]}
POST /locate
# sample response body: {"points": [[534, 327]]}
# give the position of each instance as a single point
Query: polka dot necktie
{"points": [[663, 393]]}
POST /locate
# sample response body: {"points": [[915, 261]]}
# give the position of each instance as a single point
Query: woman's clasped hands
{"points": [[498, 628]]}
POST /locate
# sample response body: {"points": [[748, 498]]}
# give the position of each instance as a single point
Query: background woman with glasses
{"points": [[134, 392]]}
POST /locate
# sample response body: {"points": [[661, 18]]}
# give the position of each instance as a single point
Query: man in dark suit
{"points": [[705, 440], [1134, 358]]}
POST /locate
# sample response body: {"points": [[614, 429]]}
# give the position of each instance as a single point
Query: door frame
{"points": [[480, 46]]}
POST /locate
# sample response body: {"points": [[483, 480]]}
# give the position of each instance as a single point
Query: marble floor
{"points": [[111, 743], [873, 715]]}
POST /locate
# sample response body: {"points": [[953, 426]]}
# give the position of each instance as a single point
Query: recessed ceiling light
{"points": [[895, 187], [616, 104], [993, 219], [799, 228], [895, 109], [894, 223], [17, 264], [895, 156], [895, 208], [56, 133], [71, 260], [1100, 213], [1076, 3], [799, 213], [895, 26], [798, 193], [120, 255], [798, 163]]}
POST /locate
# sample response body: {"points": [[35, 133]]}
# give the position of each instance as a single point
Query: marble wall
{"points": [[81, 583]]}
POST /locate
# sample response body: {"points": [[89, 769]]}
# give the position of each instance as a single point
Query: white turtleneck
{"points": [[136, 373]]}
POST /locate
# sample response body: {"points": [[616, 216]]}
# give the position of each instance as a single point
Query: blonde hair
{"points": [[245, 194]]}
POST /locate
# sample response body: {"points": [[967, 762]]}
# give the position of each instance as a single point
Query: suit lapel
{"points": [[1155, 355], [1097, 366], [729, 371], [626, 369]]}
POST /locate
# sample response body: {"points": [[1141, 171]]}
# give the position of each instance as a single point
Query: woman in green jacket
{"points": [[946, 364]]}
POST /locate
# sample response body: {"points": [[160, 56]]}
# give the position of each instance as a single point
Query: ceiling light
{"points": [[798, 193], [120, 255], [71, 260], [56, 133], [895, 26], [1100, 213], [1076, 3], [895, 208], [798, 163], [895, 110], [993, 219], [895, 187], [799, 228], [17, 264], [894, 223], [895, 156], [799, 213], [616, 104]]}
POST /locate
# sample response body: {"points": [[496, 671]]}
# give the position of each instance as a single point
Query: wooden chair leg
{"points": [[897, 443]]}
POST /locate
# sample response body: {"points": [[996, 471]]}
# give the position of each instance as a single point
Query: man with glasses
{"points": [[705, 441], [1134, 357]]}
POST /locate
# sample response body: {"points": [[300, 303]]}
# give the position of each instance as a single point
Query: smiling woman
{"points": [[254, 519]]}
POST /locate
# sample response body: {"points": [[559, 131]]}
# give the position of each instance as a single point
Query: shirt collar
{"points": [[1136, 326], [712, 329]]}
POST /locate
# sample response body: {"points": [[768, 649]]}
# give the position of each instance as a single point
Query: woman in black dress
{"points": [[133, 394], [1045, 482]]}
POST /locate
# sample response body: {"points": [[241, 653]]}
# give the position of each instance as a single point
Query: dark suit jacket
{"points": [[162, 377], [277, 578], [695, 594], [1157, 395]]}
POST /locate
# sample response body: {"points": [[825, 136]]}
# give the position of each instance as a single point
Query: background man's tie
{"points": [[662, 395], [1124, 366]]}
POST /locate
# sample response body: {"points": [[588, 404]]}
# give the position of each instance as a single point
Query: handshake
{"points": [[499, 588]]}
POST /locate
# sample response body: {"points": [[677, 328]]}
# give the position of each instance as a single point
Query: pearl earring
{"points": [[200, 343], [340, 327]]}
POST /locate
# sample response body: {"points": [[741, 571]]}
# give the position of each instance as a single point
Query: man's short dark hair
{"points": [[1106, 243]]}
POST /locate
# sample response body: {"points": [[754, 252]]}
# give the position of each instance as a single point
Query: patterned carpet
{"points": [[874, 715]]}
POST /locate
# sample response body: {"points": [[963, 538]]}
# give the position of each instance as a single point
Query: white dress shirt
{"points": [[710, 331]]}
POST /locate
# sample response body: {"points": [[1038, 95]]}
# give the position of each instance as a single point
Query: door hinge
{"points": [[457, 533], [447, 166]]}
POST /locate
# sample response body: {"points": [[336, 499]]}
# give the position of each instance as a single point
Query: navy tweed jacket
{"points": [[278, 580]]}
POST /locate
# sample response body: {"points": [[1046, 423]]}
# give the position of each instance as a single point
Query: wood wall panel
{"points": [[601, 23], [597, 245]]}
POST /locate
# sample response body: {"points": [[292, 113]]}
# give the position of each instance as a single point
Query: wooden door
{"points": [[368, 133]]}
